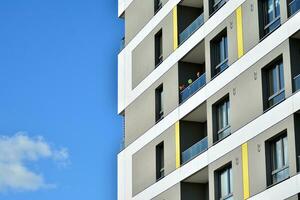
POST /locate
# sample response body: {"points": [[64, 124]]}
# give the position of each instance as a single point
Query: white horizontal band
{"points": [[283, 190]]}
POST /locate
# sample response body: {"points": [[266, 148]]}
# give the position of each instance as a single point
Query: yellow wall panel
{"points": [[245, 171], [175, 28], [239, 24]]}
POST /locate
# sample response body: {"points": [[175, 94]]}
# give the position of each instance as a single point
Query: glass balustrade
{"points": [[184, 35], [194, 150], [192, 88], [297, 83]]}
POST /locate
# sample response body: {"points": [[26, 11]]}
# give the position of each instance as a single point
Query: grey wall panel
{"points": [[140, 114], [235, 157], [137, 15], [250, 27], [171, 194], [257, 154], [144, 161], [143, 55]]}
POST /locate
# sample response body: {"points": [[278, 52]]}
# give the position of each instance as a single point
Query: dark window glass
{"points": [[160, 171], [222, 119], [219, 51], [159, 96], [279, 166], [225, 185], [293, 7], [157, 5], [275, 84], [216, 5], [271, 15], [158, 48]]}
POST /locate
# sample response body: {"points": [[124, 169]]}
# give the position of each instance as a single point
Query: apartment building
{"points": [[209, 92]]}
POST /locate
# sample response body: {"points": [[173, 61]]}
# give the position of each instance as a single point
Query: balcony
{"points": [[196, 186], [195, 150], [193, 134], [293, 7], [190, 18], [191, 69], [297, 83], [192, 88], [193, 27]]}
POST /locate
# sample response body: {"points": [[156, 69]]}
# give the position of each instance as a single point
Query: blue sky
{"points": [[58, 92]]}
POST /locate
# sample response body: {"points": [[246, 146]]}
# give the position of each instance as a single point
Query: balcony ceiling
{"points": [[192, 3], [196, 55], [197, 115], [199, 177]]}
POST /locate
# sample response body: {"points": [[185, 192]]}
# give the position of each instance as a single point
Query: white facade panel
{"points": [[283, 190]]}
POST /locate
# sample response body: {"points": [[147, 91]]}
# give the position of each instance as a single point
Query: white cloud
{"points": [[19, 149]]}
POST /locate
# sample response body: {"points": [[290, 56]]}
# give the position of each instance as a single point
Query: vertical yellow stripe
{"points": [[175, 28], [177, 144], [245, 171], [239, 24]]}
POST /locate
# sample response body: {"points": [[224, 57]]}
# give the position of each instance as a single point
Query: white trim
{"points": [[244, 134], [122, 5], [283, 190], [125, 56]]}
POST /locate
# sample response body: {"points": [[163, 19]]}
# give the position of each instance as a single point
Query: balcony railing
{"points": [[293, 7], [297, 83], [194, 150], [184, 35], [122, 44], [192, 88]]}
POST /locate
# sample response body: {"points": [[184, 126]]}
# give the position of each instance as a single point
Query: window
{"points": [[274, 84], [158, 48], [222, 127], [219, 53], [293, 7], [270, 16], [159, 110], [277, 165], [157, 5], [224, 183], [160, 171], [216, 5]]}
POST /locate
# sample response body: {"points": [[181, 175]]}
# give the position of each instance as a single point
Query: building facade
{"points": [[209, 94]]}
